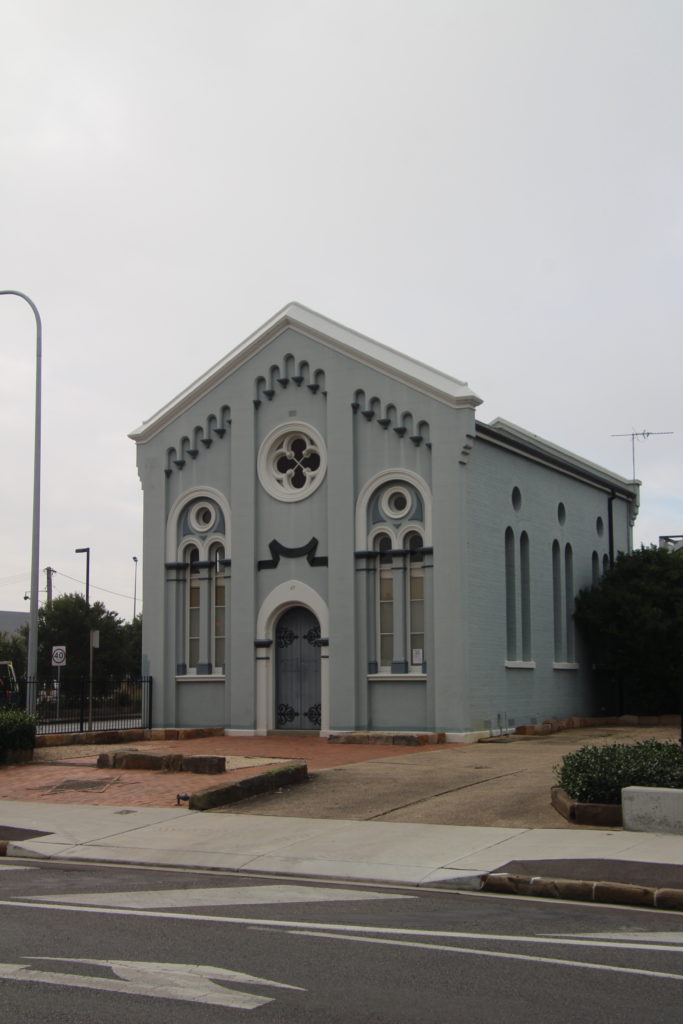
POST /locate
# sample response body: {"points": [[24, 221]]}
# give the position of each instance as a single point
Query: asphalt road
{"points": [[505, 783], [82, 943]]}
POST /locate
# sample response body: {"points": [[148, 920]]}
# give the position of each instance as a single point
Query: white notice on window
{"points": [[416, 658]]}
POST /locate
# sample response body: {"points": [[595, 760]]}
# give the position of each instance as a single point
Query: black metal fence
{"points": [[82, 705]]}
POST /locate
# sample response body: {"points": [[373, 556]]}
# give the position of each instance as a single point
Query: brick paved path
{"points": [[68, 774]]}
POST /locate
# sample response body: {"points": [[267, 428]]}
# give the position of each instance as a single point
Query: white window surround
{"points": [[396, 476], [566, 666], [520, 664], [203, 544], [278, 486], [177, 509], [382, 530], [398, 537], [405, 532], [203, 516], [395, 495]]}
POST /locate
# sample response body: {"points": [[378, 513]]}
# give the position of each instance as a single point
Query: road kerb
{"points": [[586, 891]]}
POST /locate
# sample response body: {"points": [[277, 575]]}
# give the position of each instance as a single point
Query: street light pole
{"points": [[135, 586], [32, 667], [86, 552]]}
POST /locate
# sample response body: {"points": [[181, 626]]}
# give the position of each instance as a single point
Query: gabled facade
{"points": [[333, 542]]}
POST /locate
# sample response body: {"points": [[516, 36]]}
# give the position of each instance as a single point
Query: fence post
{"points": [[81, 705], [149, 703]]}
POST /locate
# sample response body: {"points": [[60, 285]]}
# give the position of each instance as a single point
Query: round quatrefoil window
{"points": [[292, 462], [202, 517], [396, 502]]}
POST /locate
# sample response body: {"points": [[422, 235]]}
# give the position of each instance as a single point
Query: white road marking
{"points": [[341, 929], [15, 867], [246, 895], [586, 964], [193, 983], [623, 937]]}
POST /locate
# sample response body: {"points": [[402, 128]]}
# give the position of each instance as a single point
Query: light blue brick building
{"points": [[333, 542]]}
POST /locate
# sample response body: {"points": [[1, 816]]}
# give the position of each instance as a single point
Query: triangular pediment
{"points": [[364, 350]]}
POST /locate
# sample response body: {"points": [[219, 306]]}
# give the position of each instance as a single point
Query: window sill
{"points": [[520, 664], [219, 677], [397, 677], [566, 666]]}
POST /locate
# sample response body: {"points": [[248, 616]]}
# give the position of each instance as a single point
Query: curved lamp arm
{"points": [[32, 669]]}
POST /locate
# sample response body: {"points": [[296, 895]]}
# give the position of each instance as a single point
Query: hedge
{"points": [[17, 730], [596, 775]]}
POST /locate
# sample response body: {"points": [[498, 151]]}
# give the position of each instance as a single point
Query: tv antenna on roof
{"points": [[640, 435]]}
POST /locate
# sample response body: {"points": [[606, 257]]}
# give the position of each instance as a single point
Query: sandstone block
{"points": [[204, 764]]}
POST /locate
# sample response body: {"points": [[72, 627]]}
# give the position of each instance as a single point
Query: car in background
{"points": [[9, 687]]}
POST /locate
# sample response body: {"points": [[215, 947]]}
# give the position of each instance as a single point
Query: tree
{"points": [[632, 623], [132, 639], [67, 621]]}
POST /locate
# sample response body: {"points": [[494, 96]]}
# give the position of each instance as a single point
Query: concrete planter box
{"points": [[651, 809], [602, 815]]}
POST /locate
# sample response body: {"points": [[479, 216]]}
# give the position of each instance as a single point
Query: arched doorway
{"points": [[297, 670]]}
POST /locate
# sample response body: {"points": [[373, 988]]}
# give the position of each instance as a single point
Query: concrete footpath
{"points": [[391, 852], [575, 863]]}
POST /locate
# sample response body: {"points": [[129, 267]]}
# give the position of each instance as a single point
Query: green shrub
{"points": [[17, 730], [596, 775]]}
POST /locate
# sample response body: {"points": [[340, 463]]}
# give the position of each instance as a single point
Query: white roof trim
{"points": [[335, 336], [511, 431]]}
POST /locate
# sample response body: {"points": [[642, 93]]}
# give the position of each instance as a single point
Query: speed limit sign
{"points": [[59, 656]]}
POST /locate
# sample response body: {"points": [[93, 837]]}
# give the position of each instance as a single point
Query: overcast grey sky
{"points": [[493, 186]]}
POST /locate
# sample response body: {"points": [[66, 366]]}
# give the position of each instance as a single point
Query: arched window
{"points": [[595, 567], [385, 602], [563, 605], [416, 601], [569, 602], [558, 625], [218, 602], [525, 585], [510, 595], [193, 608], [393, 533], [400, 602], [197, 547]]}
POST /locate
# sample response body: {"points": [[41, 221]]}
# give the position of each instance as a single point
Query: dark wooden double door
{"points": [[297, 670]]}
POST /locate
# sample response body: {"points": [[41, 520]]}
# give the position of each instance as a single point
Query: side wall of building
{"points": [[537, 536]]}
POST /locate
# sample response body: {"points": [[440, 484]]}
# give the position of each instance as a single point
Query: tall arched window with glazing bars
{"points": [[385, 602]]}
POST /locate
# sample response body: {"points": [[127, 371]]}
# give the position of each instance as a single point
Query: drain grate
{"points": [[84, 785]]}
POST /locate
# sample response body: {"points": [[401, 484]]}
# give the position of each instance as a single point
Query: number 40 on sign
{"points": [[59, 656]]}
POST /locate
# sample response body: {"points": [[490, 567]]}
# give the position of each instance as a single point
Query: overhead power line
{"points": [[7, 581], [115, 593]]}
